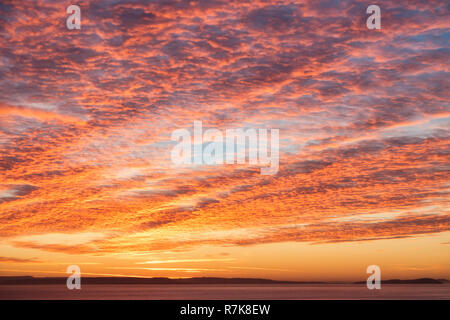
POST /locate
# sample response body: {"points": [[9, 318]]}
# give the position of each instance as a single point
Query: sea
{"points": [[225, 292]]}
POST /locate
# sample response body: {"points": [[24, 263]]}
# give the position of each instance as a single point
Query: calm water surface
{"points": [[219, 292]]}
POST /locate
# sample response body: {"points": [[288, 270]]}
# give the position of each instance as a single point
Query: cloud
{"points": [[17, 260], [86, 117], [14, 192]]}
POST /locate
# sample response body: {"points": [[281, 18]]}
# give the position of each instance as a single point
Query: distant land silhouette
{"points": [[29, 280], [13, 280], [411, 281]]}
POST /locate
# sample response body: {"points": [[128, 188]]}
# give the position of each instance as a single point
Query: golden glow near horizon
{"points": [[86, 118]]}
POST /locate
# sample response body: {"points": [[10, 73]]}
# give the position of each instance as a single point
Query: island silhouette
{"points": [[30, 280]]}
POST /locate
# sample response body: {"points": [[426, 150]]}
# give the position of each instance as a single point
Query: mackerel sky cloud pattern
{"points": [[86, 117]]}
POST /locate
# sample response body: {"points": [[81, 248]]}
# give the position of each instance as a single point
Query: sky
{"points": [[86, 118]]}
